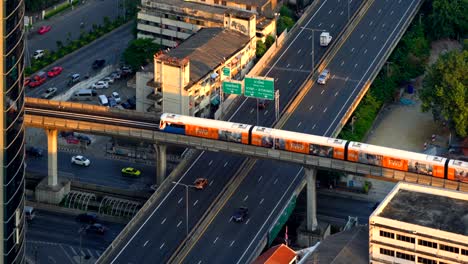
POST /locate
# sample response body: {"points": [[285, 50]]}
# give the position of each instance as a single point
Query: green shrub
{"points": [[59, 9]]}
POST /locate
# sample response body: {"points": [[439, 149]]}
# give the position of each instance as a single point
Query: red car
{"points": [[27, 80], [37, 80], [55, 71], [44, 29]]}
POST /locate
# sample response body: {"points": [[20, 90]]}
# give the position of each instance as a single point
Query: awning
{"points": [[214, 75], [215, 100]]}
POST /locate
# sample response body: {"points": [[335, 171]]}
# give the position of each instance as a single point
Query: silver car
{"points": [[323, 77]]}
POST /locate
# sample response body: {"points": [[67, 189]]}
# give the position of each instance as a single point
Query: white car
{"points": [[108, 80], [38, 54], [80, 160], [116, 97], [100, 85]]}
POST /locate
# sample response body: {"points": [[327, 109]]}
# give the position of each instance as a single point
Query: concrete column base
{"points": [[309, 238], [45, 193]]}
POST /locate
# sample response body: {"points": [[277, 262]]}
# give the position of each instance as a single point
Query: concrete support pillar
{"points": [[311, 179], [52, 156], [161, 163]]}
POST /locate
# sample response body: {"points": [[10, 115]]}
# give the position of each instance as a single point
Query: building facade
{"points": [[170, 22], [420, 224], [12, 135]]}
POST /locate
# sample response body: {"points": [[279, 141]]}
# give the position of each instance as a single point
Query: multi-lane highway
{"points": [[318, 113], [163, 228]]}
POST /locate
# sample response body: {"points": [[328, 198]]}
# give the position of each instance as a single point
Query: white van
{"points": [[38, 54], [103, 100], [84, 95], [29, 213]]}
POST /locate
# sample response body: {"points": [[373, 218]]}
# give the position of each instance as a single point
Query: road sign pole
{"points": [[313, 51], [221, 100], [257, 111], [277, 95]]}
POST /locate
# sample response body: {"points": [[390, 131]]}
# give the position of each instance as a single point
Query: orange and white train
{"points": [[396, 159]]}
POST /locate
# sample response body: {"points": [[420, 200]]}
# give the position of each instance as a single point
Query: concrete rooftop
{"points": [[428, 210]]}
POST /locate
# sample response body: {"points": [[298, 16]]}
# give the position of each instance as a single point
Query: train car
{"points": [[298, 142], [205, 128], [396, 159], [457, 171]]}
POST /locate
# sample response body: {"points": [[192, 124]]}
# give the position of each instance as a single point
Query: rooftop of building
{"points": [[251, 2], [342, 247], [191, 8], [208, 48], [430, 207], [277, 254]]}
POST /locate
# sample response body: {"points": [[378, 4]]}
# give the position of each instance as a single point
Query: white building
{"points": [[170, 22], [420, 224]]}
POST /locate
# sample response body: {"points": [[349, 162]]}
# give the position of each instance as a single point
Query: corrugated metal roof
{"points": [[207, 48], [280, 254]]}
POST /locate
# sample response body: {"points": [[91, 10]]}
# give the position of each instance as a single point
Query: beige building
{"points": [[170, 22], [187, 79], [420, 224]]}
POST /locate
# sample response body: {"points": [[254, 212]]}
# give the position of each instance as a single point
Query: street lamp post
{"points": [[313, 44], [186, 204]]}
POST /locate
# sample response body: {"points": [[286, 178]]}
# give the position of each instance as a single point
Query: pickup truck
{"points": [[49, 93]]}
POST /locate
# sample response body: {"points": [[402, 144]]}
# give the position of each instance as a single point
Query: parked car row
{"points": [[41, 77]]}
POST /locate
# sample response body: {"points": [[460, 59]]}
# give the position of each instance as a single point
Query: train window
{"points": [[242, 126], [337, 141], [438, 159], [175, 125], [263, 129], [173, 116]]}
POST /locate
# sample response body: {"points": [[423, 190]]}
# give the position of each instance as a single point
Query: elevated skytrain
{"points": [[396, 159]]}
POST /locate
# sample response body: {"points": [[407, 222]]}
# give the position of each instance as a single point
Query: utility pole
{"points": [[186, 204]]}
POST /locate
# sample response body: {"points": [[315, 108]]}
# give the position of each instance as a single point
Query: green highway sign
{"points": [[227, 71], [259, 87], [232, 87]]}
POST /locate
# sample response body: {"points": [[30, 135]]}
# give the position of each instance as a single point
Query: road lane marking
{"points": [[162, 245], [365, 51], [380, 10], [287, 66], [211, 162], [214, 242], [259, 179], [144, 245], [251, 111], [302, 65], [180, 200], [299, 51], [342, 12], [232, 243], [310, 108], [261, 201], [266, 112], [332, 25], [195, 203], [247, 221], [352, 50], [362, 35], [298, 125], [211, 182], [322, 91], [180, 222], [342, 63], [368, 69], [276, 79], [199, 262], [319, 24], [383, 25], [391, 13], [275, 181], [336, 93], [370, 23], [310, 37], [313, 127], [225, 164], [290, 81], [329, 12], [355, 65], [163, 221], [325, 109], [245, 198]]}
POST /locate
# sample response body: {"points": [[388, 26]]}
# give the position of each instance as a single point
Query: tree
{"points": [[269, 41], [286, 12], [445, 90], [284, 23], [261, 49], [449, 18], [140, 52]]}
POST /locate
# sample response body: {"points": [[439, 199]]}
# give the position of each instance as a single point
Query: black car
{"points": [[87, 218], [126, 105], [98, 64], [96, 228], [240, 214], [132, 102], [34, 152]]}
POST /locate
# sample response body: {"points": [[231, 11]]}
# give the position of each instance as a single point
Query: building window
{"points": [[387, 252], [427, 243], [224, 3], [387, 234], [464, 252], [249, 7], [427, 261], [405, 256], [449, 248], [216, 2], [405, 238]]}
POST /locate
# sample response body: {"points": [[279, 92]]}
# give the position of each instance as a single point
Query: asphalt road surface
{"points": [[102, 171], [67, 24], [289, 68], [109, 47], [318, 113], [55, 238]]}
